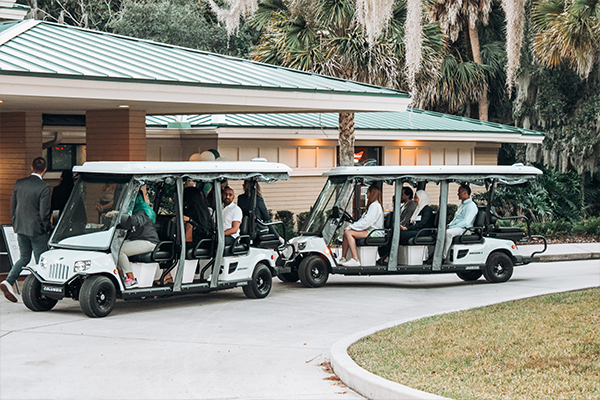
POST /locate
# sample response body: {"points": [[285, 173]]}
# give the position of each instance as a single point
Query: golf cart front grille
{"points": [[59, 271]]}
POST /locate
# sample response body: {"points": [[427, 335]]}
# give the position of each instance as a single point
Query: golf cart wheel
{"points": [[289, 277], [97, 296], [33, 298], [498, 268], [260, 285], [469, 275], [313, 272]]}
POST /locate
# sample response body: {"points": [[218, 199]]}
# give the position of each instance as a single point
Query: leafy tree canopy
{"points": [[181, 23]]}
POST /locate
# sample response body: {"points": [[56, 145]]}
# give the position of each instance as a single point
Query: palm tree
{"points": [[454, 16], [324, 37], [567, 32]]}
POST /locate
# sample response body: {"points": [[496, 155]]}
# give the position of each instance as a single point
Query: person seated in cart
{"points": [[422, 218], [371, 220], [196, 215], [463, 219], [408, 205], [141, 237], [232, 216]]}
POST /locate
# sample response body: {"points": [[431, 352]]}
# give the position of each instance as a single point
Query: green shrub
{"points": [[552, 229], [590, 226], [287, 217], [301, 220]]}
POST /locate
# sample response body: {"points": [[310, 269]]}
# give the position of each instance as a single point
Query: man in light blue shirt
{"points": [[463, 219]]}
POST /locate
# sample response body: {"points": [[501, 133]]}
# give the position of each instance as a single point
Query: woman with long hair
{"points": [[197, 216], [141, 237], [372, 219], [245, 201]]}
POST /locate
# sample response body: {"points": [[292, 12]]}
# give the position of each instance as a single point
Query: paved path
{"points": [[222, 345]]}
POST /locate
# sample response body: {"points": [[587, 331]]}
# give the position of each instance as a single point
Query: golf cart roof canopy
{"points": [[257, 169], [476, 174]]}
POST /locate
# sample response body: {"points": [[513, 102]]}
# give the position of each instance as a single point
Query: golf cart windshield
{"points": [[86, 222], [336, 193]]}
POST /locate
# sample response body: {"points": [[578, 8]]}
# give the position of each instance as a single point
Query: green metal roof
{"points": [[45, 49], [413, 120]]}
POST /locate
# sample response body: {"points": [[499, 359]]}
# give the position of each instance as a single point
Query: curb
{"points": [[569, 257], [365, 383]]}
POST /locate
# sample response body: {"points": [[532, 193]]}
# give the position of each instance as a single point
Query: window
{"points": [[64, 156], [365, 155]]}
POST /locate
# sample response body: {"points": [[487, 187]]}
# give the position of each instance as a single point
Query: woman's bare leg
{"points": [[350, 237]]}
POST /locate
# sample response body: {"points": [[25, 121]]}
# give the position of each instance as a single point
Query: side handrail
{"points": [[170, 247], [370, 235], [527, 222], [273, 224], [243, 240], [202, 245], [536, 237], [418, 235]]}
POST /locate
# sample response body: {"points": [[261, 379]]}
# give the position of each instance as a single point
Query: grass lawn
{"points": [[545, 347]]}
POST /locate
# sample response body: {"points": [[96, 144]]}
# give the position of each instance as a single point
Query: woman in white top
{"points": [[371, 220]]}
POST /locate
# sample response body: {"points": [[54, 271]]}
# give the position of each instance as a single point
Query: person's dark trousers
{"points": [[27, 244]]}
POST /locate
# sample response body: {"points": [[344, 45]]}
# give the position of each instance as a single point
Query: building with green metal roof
{"points": [[48, 69], [308, 143], [68, 70]]}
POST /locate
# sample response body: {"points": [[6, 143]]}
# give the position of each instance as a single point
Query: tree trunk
{"points": [[476, 49], [346, 139]]}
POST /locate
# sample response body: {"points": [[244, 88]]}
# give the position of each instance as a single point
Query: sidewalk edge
{"points": [[366, 383]]}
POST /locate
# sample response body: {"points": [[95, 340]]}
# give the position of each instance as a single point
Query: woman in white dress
{"points": [[372, 219]]}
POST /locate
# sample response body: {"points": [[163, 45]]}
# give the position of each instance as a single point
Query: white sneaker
{"points": [[352, 263], [8, 291], [342, 261]]}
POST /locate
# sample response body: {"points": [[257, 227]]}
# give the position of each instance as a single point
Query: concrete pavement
{"points": [[564, 251], [222, 345]]}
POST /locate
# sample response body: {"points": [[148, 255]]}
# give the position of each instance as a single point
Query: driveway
{"points": [[223, 345]]}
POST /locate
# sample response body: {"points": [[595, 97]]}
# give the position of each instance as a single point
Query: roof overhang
{"points": [[75, 96], [52, 68]]}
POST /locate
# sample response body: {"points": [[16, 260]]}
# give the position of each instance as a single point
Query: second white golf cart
{"points": [[487, 249], [85, 245]]}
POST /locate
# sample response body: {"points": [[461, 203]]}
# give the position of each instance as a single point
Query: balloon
{"points": [[195, 157], [207, 156]]}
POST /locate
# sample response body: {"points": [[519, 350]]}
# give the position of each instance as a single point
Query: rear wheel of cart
{"points": [[97, 296], [498, 268], [33, 298], [469, 275], [260, 285], [313, 271]]}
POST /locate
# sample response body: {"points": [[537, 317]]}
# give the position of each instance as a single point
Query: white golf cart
{"points": [[487, 249], [84, 247]]}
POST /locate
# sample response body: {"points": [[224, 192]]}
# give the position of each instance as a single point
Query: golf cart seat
{"points": [[165, 249], [379, 237], [474, 234], [425, 236], [513, 233], [204, 249]]}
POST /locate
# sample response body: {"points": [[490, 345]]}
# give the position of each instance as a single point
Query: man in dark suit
{"points": [[408, 205], [30, 210]]}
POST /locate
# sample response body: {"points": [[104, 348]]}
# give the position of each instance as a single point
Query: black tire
{"points": [[33, 298], [498, 268], [469, 276], [289, 277], [97, 296], [313, 272], [260, 285]]}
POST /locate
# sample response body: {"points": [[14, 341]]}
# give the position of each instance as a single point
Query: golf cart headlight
{"points": [[43, 263], [81, 266]]}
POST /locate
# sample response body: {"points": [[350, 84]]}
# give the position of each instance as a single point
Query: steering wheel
{"points": [[347, 217]]}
